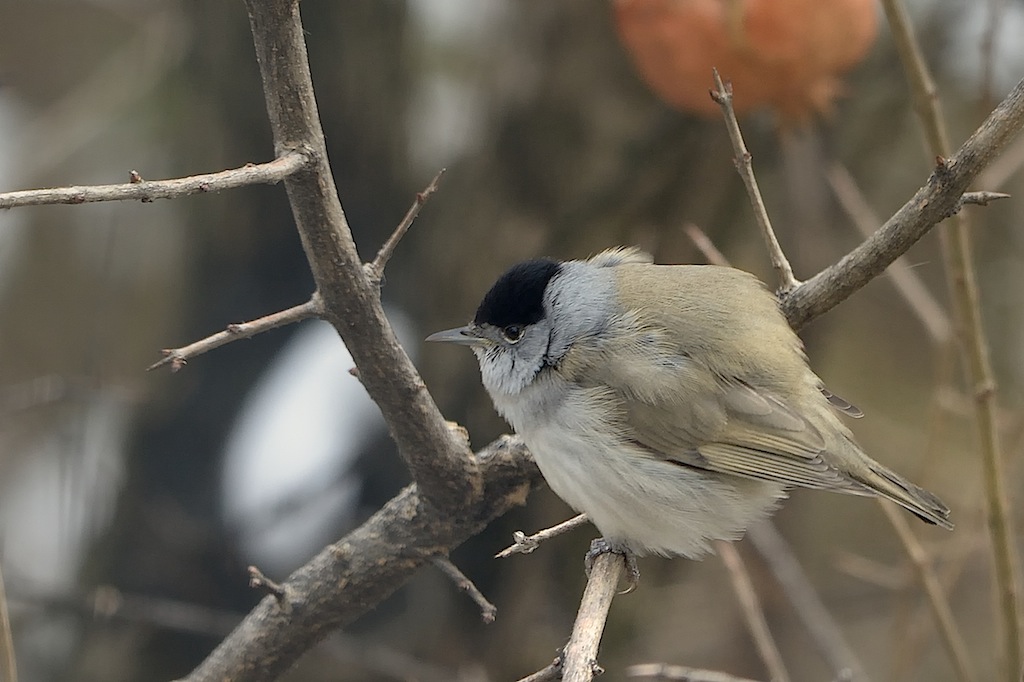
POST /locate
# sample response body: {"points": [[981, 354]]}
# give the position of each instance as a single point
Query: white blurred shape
{"points": [[286, 484], [61, 492]]}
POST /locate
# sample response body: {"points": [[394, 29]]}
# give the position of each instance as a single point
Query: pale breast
{"points": [[638, 502]]}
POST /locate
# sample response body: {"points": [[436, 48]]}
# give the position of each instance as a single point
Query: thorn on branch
{"points": [[488, 611], [258, 581]]}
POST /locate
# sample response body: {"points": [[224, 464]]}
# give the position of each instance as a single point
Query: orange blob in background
{"points": [[782, 54]]}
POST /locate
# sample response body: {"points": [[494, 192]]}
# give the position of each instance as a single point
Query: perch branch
{"points": [[488, 611], [722, 94], [375, 270], [962, 281], [753, 614], [524, 544], [179, 357], [579, 660], [137, 189]]}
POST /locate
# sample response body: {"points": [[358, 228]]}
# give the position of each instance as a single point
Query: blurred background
{"points": [[131, 503]]}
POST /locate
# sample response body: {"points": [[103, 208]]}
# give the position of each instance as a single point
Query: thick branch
{"points": [[938, 199], [137, 189], [352, 576], [441, 464]]}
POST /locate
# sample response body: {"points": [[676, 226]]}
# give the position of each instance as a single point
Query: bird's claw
{"points": [[601, 546]]}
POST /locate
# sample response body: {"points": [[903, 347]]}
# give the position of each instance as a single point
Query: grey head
{"points": [[530, 317]]}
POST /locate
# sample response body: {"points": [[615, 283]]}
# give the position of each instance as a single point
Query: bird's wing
{"points": [[743, 432], [841, 404]]}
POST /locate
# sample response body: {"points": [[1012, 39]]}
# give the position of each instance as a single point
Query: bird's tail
{"points": [[915, 499]]}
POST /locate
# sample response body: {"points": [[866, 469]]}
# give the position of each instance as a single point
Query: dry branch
{"points": [[352, 576], [136, 189], [524, 544], [179, 357], [722, 94], [579, 659]]}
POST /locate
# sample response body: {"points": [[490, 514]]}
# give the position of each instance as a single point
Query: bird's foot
{"points": [[601, 546]]}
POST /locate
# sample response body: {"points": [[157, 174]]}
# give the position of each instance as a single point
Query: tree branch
{"points": [[352, 576], [441, 464], [137, 189], [579, 660], [939, 198]]}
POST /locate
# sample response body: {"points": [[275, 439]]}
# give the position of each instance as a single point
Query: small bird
{"points": [[672, 404]]}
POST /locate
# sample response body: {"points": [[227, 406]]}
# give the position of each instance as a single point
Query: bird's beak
{"points": [[464, 336]]}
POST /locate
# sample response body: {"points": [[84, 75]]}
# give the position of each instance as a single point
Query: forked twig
{"points": [[524, 544]]}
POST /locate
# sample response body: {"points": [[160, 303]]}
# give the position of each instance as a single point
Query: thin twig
{"points": [[806, 603], [783, 270], [552, 671], [948, 631], [258, 581], [988, 50], [488, 611], [753, 614], [704, 244], [906, 280], [579, 661], [375, 270], [678, 673], [271, 172], [524, 544], [179, 357], [974, 347], [8, 662]]}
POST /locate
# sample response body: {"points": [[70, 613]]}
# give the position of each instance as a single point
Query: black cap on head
{"points": [[518, 295]]}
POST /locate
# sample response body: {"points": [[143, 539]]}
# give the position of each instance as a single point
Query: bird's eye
{"points": [[512, 333]]}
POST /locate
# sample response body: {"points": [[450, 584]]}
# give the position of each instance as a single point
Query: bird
{"points": [[672, 404]]}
